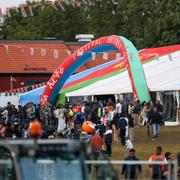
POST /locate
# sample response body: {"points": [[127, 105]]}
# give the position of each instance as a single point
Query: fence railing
{"points": [[110, 169], [115, 168]]}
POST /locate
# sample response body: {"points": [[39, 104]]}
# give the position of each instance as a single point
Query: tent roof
{"points": [[161, 74]]}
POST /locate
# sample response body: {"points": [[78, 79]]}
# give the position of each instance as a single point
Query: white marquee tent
{"points": [[162, 74]]}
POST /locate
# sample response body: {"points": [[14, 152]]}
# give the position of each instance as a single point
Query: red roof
{"points": [[16, 57]]}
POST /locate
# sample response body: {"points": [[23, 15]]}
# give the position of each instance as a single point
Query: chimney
{"points": [[84, 37]]}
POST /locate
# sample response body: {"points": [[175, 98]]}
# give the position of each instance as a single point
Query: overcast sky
{"points": [[9, 3]]}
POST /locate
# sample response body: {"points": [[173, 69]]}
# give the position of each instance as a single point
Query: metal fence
{"points": [[111, 170], [107, 169]]}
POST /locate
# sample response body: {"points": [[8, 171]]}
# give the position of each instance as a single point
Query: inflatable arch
{"points": [[82, 55]]}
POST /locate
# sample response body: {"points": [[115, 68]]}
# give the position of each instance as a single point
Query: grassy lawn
{"points": [[169, 140]]}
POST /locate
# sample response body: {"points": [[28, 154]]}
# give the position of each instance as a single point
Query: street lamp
{"points": [[12, 79]]}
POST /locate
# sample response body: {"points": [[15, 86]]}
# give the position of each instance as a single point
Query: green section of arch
{"points": [[137, 71], [88, 82]]}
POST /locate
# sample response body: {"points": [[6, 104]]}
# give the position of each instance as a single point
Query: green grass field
{"points": [[169, 140]]}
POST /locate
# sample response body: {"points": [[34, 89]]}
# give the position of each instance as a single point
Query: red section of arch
{"points": [[111, 40]]}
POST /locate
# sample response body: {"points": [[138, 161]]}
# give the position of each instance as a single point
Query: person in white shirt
{"points": [[118, 107]]}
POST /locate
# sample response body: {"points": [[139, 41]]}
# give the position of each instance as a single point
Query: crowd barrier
{"points": [[101, 169], [111, 170]]}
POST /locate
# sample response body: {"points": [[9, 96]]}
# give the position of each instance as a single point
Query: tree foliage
{"points": [[147, 23]]}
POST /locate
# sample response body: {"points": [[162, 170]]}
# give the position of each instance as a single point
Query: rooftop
{"points": [[42, 56]]}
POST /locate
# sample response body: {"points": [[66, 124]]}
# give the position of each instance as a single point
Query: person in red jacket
{"points": [[97, 143]]}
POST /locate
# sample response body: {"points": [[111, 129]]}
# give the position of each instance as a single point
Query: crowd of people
{"points": [[107, 122], [68, 119]]}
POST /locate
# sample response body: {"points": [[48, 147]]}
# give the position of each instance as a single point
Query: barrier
{"points": [[102, 169], [115, 168]]}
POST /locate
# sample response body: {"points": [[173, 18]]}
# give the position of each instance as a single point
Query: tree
{"points": [[146, 23]]}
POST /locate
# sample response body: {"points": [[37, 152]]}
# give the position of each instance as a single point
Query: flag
{"points": [[56, 54], [22, 90], [8, 12], [23, 11], [118, 56], [170, 57], [43, 52], [69, 53], [14, 91], [105, 56], [79, 52], [93, 55], [7, 48], [30, 10], [157, 56], [32, 51]]}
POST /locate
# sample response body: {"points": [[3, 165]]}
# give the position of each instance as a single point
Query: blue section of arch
{"points": [[78, 62], [89, 71]]}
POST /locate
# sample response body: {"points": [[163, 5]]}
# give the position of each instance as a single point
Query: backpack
{"points": [[122, 123]]}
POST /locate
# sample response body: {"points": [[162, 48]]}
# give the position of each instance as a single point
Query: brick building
{"points": [[26, 63]]}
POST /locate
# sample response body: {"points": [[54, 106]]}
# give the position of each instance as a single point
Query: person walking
{"points": [[160, 110], [96, 143], [155, 120], [123, 128], [108, 140], [61, 118], [118, 108], [131, 171], [169, 172], [158, 171], [136, 109], [131, 127]]}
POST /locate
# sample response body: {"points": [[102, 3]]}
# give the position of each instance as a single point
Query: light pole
{"points": [[12, 79]]}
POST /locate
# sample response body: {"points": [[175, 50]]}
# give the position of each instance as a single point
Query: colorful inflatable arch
{"points": [[84, 54]]}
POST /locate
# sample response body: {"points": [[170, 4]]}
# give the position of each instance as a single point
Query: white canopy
{"points": [[162, 74]]}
